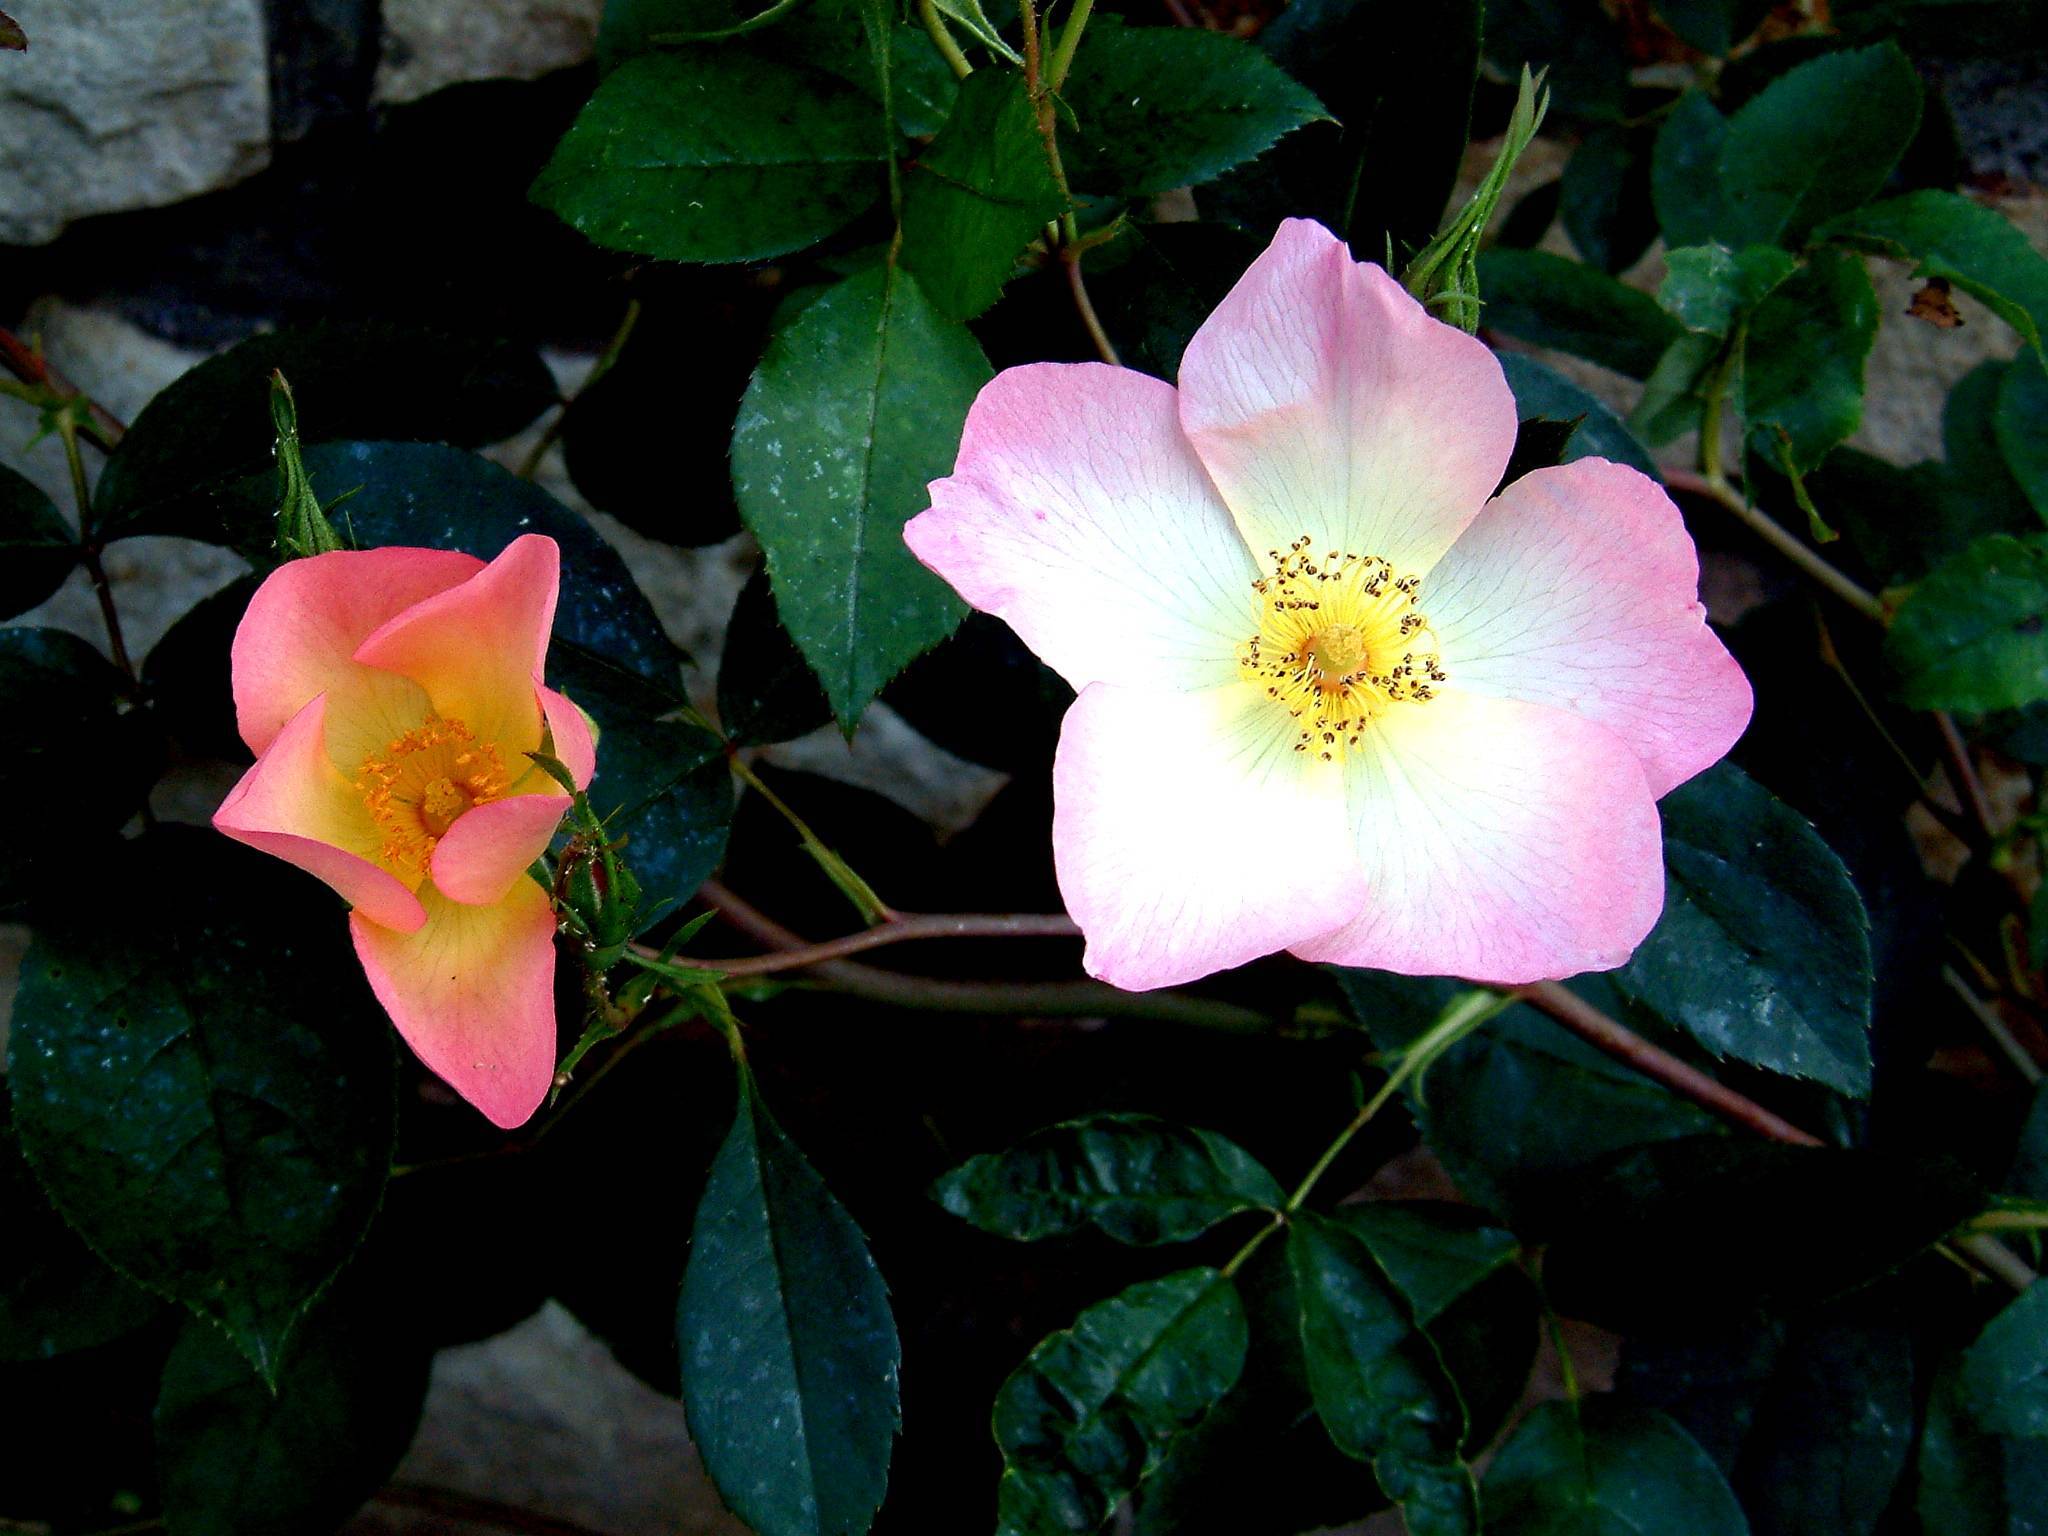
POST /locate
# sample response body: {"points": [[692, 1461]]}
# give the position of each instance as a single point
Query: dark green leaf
{"points": [[2005, 1373], [1973, 1483], [237, 1457], [55, 1296], [1487, 1339], [1135, 1177], [662, 786], [789, 1353], [1802, 376], [1162, 107], [1170, 278], [1709, 288], [187, 678], [977, 195], [1763, 951], [1685, 173], [2028, 1175], [1713, 26], [1974, 635], [1541, 391], [1433, 1252], [1093, 1409], [766, 690], [37, 549], [209, 1102], [1816, 142], [857, 405], [1556, 302], [2022, 428], [1575, 40], [1606, 1466], [1948, 236], [1604, 197], [1711, 1226], [206, 443], [715, 154], [1378, 1382]]}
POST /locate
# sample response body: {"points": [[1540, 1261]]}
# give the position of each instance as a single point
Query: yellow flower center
{"points": [[1340, 640], [421, 782]]}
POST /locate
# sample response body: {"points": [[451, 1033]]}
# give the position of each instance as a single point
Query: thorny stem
{"points": [[103, 430], [1063, 236], [1775, 535], [905, 928], [942, 39], [606, 361]]}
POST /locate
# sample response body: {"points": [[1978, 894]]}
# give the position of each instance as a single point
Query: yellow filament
{"points": [[421, 782]]}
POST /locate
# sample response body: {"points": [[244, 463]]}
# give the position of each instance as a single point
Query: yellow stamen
{"points": [[1340, 641], [421, 782]]}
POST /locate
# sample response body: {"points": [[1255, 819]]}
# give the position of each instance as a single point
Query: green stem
{"points": [[1070, 39], [606, 361], [1252, 1244], [856, 890], [942, 39], [1765, 528]]}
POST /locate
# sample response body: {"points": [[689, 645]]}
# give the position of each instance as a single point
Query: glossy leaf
{"points": [[1604, 197], [1802, 377], [1816, 142], [977, 195], [239, 1457], [1544, 392], [1135, 1177], [1974, 635], [1763, 951], [2022, 429], [1576, 41], [715, 154], [1093, 1409], [1555, 302], [1162, 107], [1605, 1466], [1685, 173], [1972, 1483], [856, 406], [2005, 1373], [1378, 1382], [37, 548], [202, 450], [971, 16], [209, 1102], [1434, 1253], [1948, 236], [789, 1352], [1708, 288]]}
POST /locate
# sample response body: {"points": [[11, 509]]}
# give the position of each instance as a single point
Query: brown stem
{"points": [[1070, 259], [904, 928], [103, 431], [1969, 787], [1764, 527]]}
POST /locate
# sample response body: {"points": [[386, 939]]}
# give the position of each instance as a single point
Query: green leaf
{"points": [[238, 1457], [1093, 1409], [1685, 173], [1378, 1382], [207, 442], [1434, 1252], [55, 1295], [1972, 1483], [715, 154], [1713, 26], [977, 195], [37, 548], [1555, 302], [1137, 1178], [2028, 1175], [2022, 428], [1709, 288], [1488, 1339], [1605, 1467], [1161, 107], [1544, 392], [1948, 236], [662, 787], [789, 1353], [766, 690], [855, 408], [1604, 197], [2005, 1373], [1974, 635], [208, 1102], [1802, 375], [1763, 951], [1817, 141], [1576, 41], [971, 16]]}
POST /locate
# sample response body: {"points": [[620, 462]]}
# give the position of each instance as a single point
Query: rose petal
{"points": [[1325, 401], [573, 745], [1501, 841], [1190, 836], [294, 804], [477, 648], [488, 847], [1079, 515], [1578, 587], [301, 630], [473, 994]]}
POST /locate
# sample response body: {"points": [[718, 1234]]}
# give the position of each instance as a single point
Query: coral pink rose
{"points": [[1333, 698], [391, 697]]}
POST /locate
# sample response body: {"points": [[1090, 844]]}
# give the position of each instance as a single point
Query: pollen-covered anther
{"points": [[1336, 643], [421, 782]]}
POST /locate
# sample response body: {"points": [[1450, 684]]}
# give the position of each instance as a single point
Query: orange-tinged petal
{"points": [[477, 648], [473, 994], [304, 623], [490, 847], [573, 746], [294, 804]]}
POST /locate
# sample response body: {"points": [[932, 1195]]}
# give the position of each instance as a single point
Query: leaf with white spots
{"points": [[789, 1353]]}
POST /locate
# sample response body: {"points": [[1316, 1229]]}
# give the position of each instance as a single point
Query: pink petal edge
{"points": [[492, 845]]}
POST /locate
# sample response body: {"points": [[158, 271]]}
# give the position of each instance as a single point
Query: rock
{"points": [[118, 105], [432, 43]]}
